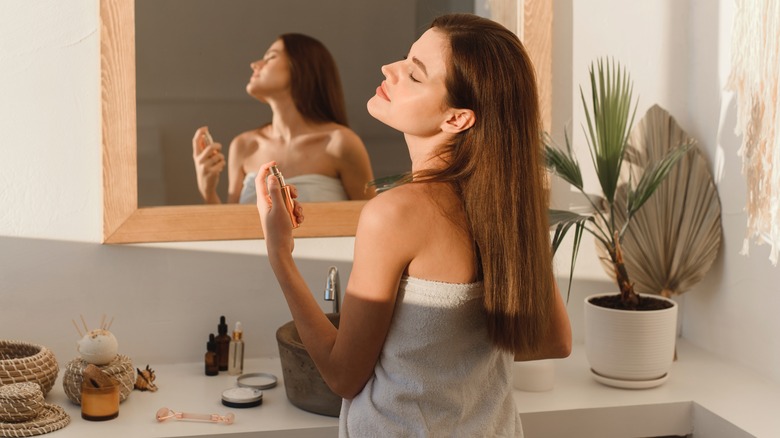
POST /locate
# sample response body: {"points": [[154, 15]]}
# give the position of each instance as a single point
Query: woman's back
{"points": [[439, 374]]}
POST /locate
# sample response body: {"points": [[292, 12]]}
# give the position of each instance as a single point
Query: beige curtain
{"points": [[755, 73]]}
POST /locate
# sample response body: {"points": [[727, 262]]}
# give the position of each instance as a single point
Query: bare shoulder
{"points": [[344, 141], [247, 142], [390, 230], [399, 207]]}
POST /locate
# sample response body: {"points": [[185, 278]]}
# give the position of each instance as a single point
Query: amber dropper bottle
{"points": [[223, 344], [212, 367]]}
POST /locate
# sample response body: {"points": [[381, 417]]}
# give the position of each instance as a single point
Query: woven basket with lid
{"points": [[20, 402], [26, 362], [24, 413]]}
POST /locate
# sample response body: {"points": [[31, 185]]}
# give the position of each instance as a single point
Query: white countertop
{"points": [[578, 405], [699, 386], [186, 388]]}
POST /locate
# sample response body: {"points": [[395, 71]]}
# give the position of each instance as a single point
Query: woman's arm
{"points": [[345, 356], [557, 340], [353, 164]]}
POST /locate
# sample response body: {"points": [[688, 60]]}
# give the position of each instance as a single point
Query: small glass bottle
{"points": [[223, 344], [236, 355], [212, 366]]}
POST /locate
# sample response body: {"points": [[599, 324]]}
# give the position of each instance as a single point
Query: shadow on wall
{"points": [[164, 302]]}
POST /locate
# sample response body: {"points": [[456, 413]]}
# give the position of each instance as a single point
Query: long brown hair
{"points": [[497, 167], [316, 85]]}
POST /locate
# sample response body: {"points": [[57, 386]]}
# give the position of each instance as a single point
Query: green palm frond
{"points": [[563, 220], [563, 162], [608, 122], [653, 176], [388, 182]]}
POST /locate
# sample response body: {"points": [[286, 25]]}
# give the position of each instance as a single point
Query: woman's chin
{"points": [[373, 107]]}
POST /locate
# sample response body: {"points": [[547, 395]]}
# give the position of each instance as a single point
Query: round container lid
{"points": [[257, 380]]}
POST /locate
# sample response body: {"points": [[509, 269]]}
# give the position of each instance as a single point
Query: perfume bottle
{"points": [[236, 355], [223, 344], [212, 366], [288, 202]]}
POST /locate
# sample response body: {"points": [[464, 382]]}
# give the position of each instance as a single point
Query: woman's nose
{"points": [[255, 65], [388, 70]]}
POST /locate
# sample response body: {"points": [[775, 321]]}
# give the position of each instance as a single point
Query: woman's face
{"points": [[270, 75], [411, 99]]}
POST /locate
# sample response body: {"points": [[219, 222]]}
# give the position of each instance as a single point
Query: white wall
{"points": [[678, 53], [165, 301]]}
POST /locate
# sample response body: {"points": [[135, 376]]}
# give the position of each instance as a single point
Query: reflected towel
{"points": [[311, 187]]}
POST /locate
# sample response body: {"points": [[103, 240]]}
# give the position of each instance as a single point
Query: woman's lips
{"points": [[380, 91]]}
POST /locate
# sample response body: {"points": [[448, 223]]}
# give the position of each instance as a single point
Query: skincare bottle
{"points": [[223, 344], [288, 202], [236, 355], [212, 367]]}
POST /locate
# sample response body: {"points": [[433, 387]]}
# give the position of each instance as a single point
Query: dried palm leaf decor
{"points": [[673, 239], [755, 76]]}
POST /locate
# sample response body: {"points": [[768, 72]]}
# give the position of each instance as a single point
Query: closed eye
{"points": [[410, 73]]}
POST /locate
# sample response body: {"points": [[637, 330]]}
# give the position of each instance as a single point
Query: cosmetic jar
{"points": [[99, 404], [242, 397]]}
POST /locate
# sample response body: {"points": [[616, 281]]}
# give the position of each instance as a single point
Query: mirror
{"points": [[192, 67], [125, 222]]}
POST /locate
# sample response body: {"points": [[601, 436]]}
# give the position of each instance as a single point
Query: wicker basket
{"points": [[121, 369], [20, 402], [25, 362]]}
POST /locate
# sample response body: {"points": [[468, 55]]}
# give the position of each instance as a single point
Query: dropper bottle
{"points": [[210, 361], [236, 355], [223, 343]]}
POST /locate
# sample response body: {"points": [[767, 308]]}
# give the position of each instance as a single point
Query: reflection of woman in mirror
{"points": [[308, 134], [452, 276]]}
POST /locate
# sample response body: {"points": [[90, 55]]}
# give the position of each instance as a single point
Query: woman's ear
{"points": [[458, 121]]}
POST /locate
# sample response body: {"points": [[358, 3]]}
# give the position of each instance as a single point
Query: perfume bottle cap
{"points": [[275, 172], [211, 345]]}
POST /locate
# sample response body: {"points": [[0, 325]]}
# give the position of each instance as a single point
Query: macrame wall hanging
{"points": [[755, 73]]}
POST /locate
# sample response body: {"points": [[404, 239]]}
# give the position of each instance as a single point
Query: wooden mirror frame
{"points": [[125, 222]]}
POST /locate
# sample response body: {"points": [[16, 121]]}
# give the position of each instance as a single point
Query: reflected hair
{"points": [[316, 84], [497, 167]]}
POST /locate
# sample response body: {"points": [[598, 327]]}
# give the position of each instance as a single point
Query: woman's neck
{"points": [[287, 122], [423, 151]]}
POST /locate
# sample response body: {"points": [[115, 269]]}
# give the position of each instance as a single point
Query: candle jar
{"points": [[99, 404]]}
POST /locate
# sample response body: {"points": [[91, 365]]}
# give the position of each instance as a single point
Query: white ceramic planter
{"points": [[534, 375], [630, 349]]}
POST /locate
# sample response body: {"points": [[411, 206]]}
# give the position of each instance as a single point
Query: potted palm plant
{"points": [[616, 324]]}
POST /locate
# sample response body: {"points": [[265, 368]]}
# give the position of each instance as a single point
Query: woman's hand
{"points": [[274, 218], [209, 162]]}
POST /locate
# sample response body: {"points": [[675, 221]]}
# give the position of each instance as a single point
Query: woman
{"points": [[452, 276], [308, 134]]}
